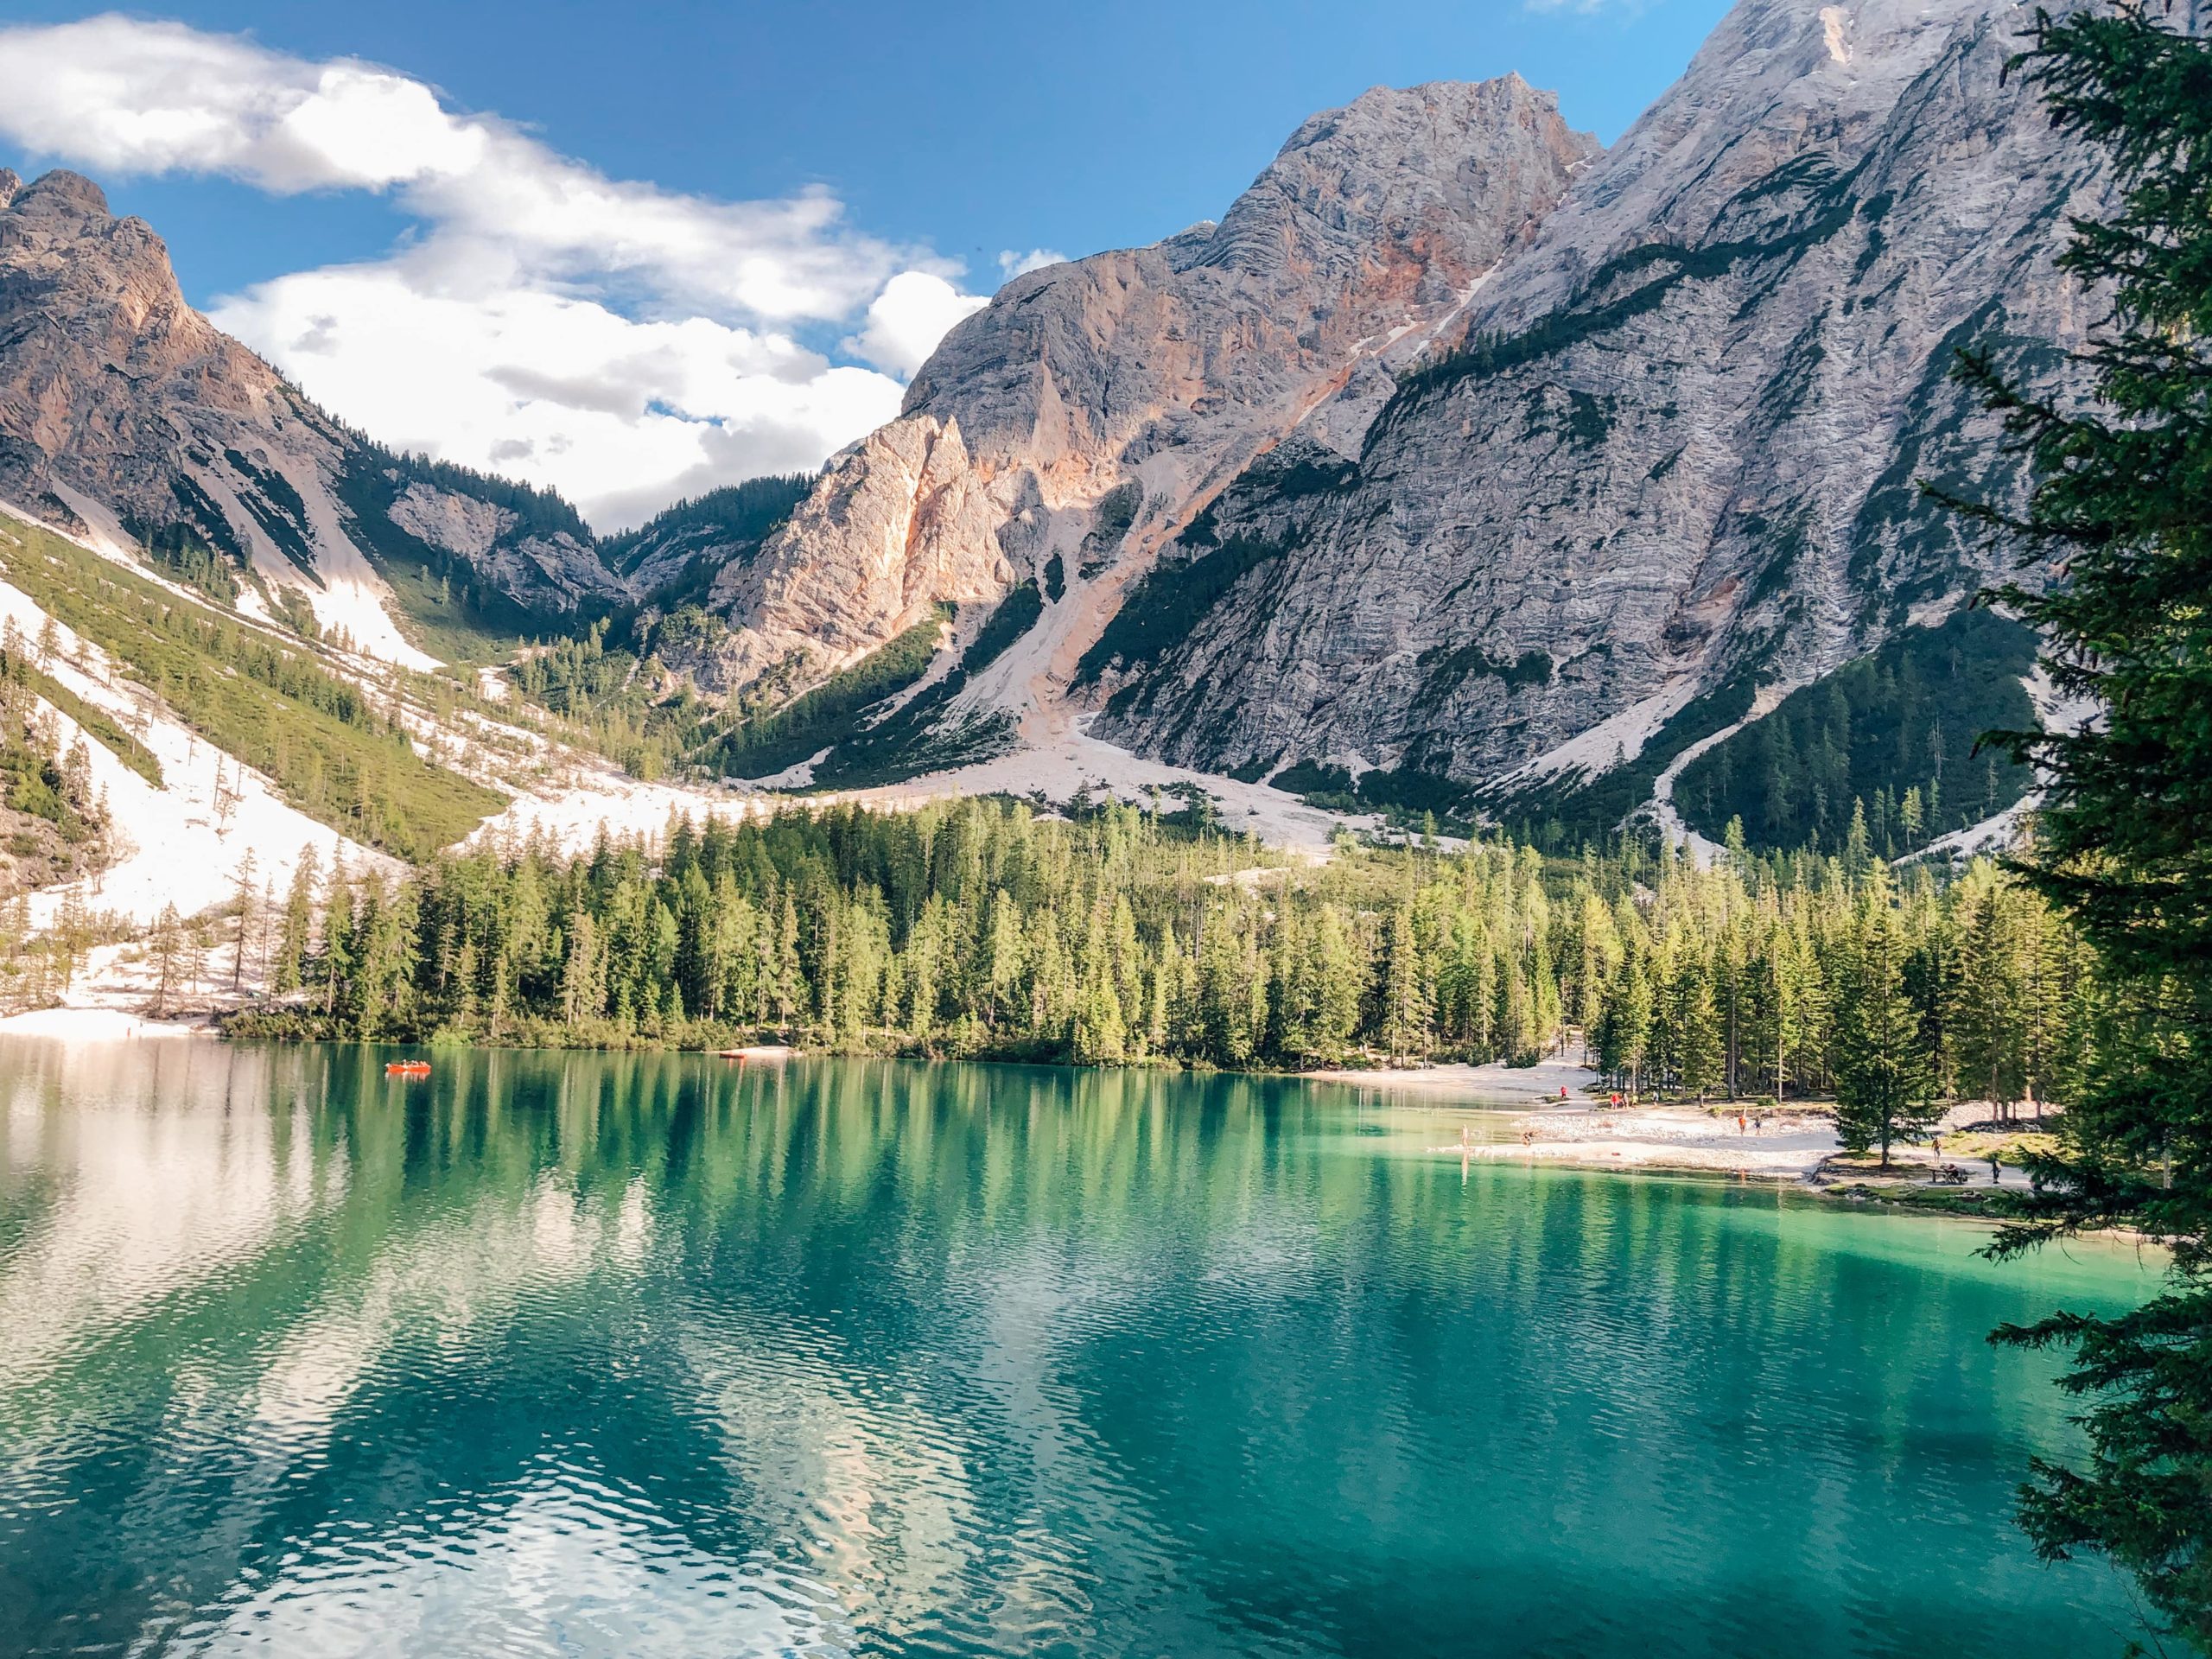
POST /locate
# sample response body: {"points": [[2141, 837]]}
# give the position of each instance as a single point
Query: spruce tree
{"points": [[1700, 1056], [2121, 509], [1883, 1089]]}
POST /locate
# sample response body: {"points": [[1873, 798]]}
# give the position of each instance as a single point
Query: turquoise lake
{"points": [[587, 1354]]}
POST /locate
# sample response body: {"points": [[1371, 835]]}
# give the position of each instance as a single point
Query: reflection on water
{"points": [[578, 1354]]}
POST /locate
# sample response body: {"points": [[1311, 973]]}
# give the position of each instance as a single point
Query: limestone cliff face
{"points": [[1086, 411], [903, 523], [104, 369], [121, 408], [1680, 436]]}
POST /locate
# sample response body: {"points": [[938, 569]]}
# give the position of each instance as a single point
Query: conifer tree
{"points": [[294, 936], [2122, 508], [1883, 1093], [1698, 1054]]}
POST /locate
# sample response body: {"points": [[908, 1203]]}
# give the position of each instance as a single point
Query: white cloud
{"points": [[623, 343], [908, 318], [1013, 265], [623, 415]]}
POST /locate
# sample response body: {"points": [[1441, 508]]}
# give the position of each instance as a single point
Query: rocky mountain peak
{"points": [[126, 413], [1393, 169], [1091, 406], [1776, 80], [1673, 459], [62, 195]]}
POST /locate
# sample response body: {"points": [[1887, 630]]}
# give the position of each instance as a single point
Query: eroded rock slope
{"points": [[1678, 446], [124, 411], [1066, 431]]}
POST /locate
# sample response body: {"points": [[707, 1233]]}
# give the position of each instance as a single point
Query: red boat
{"points": [[407, 1069]]}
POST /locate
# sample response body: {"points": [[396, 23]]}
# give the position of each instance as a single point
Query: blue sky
{"points": [[950, 135]]}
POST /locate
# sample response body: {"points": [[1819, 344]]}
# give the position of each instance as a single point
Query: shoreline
{"points": [[96, 1025], [1797, 1145]]}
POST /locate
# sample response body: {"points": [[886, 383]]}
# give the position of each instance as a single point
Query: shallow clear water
{"points": [[653, 1356]]}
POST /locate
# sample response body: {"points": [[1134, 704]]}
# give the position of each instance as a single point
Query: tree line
{"points": [[983, 928], [1884, 748]]}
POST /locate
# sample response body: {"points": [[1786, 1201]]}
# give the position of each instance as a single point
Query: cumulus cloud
{"points": [[623, 343], [906, 321], [1013, 265]]}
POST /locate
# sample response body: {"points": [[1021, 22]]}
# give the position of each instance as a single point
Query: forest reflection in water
{"points": [[651, 1354]]}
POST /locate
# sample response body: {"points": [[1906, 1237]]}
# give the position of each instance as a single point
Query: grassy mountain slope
{"points": [[328, 747]]}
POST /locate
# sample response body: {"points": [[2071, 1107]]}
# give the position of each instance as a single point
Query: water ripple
{"points": [[586, 1355]]}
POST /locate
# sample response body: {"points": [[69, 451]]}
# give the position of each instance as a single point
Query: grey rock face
{"points": [[1158, 373], [114, 390], [1680, 437], [548, 572], [99, 348]]}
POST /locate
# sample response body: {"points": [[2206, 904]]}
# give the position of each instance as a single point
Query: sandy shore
{"points": [[98, 1026], [1493, 1086], [1790, 1147], [1516, 1113]]}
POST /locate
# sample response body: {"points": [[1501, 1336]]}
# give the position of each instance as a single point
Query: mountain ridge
{"points": [[1160, 369], [126, 413], [1679, 440], [1458, 452]]}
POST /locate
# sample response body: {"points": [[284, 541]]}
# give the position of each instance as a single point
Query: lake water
{"points": [[572, 1354]]}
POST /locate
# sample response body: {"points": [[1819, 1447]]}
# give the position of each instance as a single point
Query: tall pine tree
{"points": [[2122, 509]]}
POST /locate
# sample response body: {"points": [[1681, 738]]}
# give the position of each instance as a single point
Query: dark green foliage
{"points": [[1588, 419], [688, 627], [1906, 546], [575, 677], [97, 721], [438, 593], [35, 779], [2123, 504], [917, 737], [1014, 616], [1574, 809], [207, 518], [180, 555], [1405, 792], [1306, 474], [1601, 306], [1111, 934], [538, 510], [1056, 579], [1784, 544], [277, 507], [769, 742], [1313, 780], [1900, 724], [739, 516], [1110, 520], [1884, 1082], [1167, 602], [912, 742], [1445, 672], [295, 611], [607, 692], [1410, 791], [750, 511]]}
